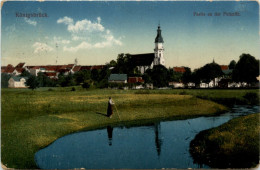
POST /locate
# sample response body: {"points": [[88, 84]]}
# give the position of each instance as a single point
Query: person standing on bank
{"points": [[109, 107]]}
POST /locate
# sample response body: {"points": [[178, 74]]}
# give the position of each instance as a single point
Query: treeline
{"points": [[245, 70], [85, 78]]}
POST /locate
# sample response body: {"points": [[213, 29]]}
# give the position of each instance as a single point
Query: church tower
{"points": [[158, 50]]}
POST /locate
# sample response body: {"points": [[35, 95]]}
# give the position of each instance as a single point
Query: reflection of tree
{"points": [[109, 134], [158, 141]]}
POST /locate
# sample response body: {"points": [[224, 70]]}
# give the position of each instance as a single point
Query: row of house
{"points": [[223, 82], [51, 71]]}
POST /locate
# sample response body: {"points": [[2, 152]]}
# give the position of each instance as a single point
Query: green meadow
{"points": [[33, 119], [234, 144]]}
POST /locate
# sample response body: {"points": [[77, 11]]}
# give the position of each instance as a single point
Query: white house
{"points": [[17, 82], [35, 70]]}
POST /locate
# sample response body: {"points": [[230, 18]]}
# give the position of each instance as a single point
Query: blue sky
{"points": [[96, 32]]}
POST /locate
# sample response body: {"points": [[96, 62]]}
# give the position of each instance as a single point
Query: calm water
{"points": [[160, 145]]}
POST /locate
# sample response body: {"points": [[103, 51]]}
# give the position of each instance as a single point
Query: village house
{"points": [[17, 82], [117, 78]]}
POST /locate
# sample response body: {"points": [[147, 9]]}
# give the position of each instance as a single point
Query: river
{"points": [[159, 145]]}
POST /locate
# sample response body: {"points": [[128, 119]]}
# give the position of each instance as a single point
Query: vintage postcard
{"points": [[129, 84]]}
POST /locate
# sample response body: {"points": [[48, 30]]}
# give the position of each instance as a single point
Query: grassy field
{"points": [[234, 144], [31, 120]]}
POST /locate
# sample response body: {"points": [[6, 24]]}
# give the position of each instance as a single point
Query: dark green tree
{"points": [[232, 64], [45, 81], [124, 65], [160, 76], [94, 75], [174, 76], [25, 73], [186, 77], [246, 69], [209, 72], [85, 85], [195, 77], [81, 76], [147, 76], [103, 77], [32, 82], [4, 80], [66, 80]]}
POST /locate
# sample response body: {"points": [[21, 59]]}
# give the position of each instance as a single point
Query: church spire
{"points": [[159, 38]]}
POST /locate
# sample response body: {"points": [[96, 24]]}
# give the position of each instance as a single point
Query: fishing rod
{"points": [[117, 112]]}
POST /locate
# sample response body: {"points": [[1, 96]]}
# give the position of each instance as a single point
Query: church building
{"points": [[148, 60]]}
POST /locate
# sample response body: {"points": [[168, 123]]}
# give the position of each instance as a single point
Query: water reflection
{"points": [[158, 139], [159, 145], [110, 135]]}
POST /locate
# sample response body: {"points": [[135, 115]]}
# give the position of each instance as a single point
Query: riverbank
{"points": [[234, 144], [31, 120]]}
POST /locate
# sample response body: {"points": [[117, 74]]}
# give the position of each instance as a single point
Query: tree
{"points": [[81, 76], [66, 80], [124, 65], [195, 77], [246, 69], [85, 85], [32, 82], [4, 80], [94, 75], [45, 81], [232, 64], [209, 72], [174, 76], [25, 74], [159, 76], [186, 77]]}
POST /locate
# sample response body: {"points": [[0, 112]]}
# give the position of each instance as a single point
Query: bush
{"points": [[183, 93], [252, 98], [85, 85]]}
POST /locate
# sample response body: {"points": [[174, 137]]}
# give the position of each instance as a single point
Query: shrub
{"points": [[252, 98], [85, 85]]}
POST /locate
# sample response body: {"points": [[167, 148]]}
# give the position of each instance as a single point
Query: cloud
{"points": [[89, 34], [59, 40], [108, 42], [83, 45], [65, 20], [83, 25], [31, 22], [41, 47]]}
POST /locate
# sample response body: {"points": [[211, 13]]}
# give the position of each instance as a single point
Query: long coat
{"points": [[109, 109]]}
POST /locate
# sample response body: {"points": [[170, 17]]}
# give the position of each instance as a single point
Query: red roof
{"points": [[135, 79], [85, 68], [50, 74], [69, 66], [20, 65], [19, 70], [224, 67], [8, 69], [76, 68], [97, 67], [179, 69]]}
